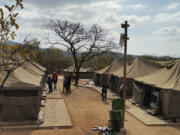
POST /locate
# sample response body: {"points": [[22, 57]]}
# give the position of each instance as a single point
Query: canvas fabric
{"points": [[21, 93], [160, 74], [72, 69]]}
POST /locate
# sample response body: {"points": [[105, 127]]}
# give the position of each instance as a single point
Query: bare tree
{"points": [[9, 64], [83, 43], [8, 26]]}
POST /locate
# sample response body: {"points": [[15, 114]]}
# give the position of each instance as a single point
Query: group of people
{"points": [[67, 83], [52, 81]]}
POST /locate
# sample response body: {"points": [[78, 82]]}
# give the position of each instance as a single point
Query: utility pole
{"points": [[125, 37]]}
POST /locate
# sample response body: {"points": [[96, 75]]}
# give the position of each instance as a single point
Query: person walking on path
{"points": [[55, 79], [64, 83], [104, 91], [68, 83], [49, 81]]}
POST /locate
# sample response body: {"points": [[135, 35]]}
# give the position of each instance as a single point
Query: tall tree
{"points": [[8, 26], [83, 43], [54, 60], [30, 49]]}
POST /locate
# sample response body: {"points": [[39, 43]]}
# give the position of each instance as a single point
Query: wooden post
{"points": [[125, 26]]}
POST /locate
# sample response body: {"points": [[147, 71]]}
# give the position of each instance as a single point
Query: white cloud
{"points": [[56, 3], [162, 42], [104, 13], [107, 4], [109, 14], [168, 32], [29, 15], [173, 6], [167, 17], [116, 5], [137, 7], [136, 20]]}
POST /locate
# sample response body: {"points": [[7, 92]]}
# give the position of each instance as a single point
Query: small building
{"points": [[84, 73]]}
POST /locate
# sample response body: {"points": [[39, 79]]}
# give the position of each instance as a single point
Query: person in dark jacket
{"points": [[55, 79], [49, 81], [64, 83], [104, 91], [68, 83]]}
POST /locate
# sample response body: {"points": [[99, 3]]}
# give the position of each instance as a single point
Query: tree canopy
{"points": [[8, 26], [82, 42]]}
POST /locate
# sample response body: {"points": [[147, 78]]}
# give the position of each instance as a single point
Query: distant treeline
{"points": [[160, 58], [57, 60]]}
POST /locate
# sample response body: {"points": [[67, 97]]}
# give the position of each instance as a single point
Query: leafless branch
{"points": [[76, 38]]}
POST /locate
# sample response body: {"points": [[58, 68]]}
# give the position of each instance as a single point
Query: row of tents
{"points": [[20, 98], [151, 84]]}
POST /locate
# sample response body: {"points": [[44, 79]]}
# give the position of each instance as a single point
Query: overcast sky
{"points": [[154, 24]]}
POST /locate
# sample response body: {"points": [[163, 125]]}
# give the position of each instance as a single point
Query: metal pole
{"points": [[125, 26]]}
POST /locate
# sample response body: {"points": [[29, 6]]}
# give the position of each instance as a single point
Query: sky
{"points": [[154, 24]]}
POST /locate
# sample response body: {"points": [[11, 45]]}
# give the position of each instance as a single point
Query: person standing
{"points": [[49, 81], [55, 79], [104, 91], [68, 83], [64, 83], [121, 90]]}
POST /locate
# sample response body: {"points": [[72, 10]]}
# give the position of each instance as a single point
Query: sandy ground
{"points": [[86, 110]]}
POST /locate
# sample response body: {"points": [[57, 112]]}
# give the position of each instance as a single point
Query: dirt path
{"points": [[86, 110]]}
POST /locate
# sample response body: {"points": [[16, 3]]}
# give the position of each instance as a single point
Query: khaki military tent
{"points": [[100, 76], [160, 89], [20, 97], [84, 73], [157, 74]]}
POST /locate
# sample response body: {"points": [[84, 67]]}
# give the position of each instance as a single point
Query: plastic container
{"points": [[115, 125], [115, 114], [117, 104], [115, 119]]}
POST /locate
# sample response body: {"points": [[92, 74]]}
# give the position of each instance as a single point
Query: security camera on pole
{"points": [[123, 43]]}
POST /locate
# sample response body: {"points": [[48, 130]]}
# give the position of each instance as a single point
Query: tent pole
{"points": [[125, 26]]}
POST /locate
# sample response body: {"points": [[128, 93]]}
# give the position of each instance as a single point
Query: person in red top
{"points": [[54, 79]]}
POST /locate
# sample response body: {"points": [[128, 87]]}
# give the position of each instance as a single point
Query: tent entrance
{"points": [[112, 82], [151, 95], [151, 99], [147, 97], [97, 79]]}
